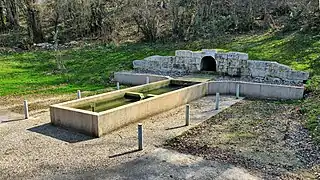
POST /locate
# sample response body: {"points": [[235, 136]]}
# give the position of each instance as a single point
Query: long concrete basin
{"points": [[99, 123]]}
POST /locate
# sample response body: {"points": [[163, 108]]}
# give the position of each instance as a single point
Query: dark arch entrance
{"points": [[208, 63]]}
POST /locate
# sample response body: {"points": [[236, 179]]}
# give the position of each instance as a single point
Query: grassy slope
{"points": [[86, 68], [89, 68]]}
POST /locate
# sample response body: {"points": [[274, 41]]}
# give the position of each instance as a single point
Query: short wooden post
{"points": [[238, 91], [140, 137], [26, 109], [187, 115], [217, 101], [118, 85], [79, 94]]}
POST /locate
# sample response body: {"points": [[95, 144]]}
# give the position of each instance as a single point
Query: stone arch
{"points": [[208, 63]]}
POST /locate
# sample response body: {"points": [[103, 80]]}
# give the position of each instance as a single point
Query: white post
{"points": [[79, 94], [147, 80], [118, 85], [238, 91], [26, 109], [140, 137], [187, 115], [217, 101]]}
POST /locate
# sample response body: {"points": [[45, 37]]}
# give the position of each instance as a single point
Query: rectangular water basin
{"points": [[101, 114]]}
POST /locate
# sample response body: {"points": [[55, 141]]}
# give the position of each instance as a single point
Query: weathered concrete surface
{"points": [[231, 63], [256, 90], [124, 115], [87, 122], [98, 124], [137, 78]]}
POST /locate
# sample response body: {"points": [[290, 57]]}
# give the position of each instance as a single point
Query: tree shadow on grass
{"points": [[60, 133]]}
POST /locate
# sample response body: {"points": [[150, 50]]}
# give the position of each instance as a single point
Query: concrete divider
{"points": [[124, 115], [256, 90], [137, 78]]}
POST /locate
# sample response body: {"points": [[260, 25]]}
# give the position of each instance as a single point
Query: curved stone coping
{"points": [[256, 90]]}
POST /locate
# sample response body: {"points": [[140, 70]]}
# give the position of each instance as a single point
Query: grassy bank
{"points": [[90, 68]]}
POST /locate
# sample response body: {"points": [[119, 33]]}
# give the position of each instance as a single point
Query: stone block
{"points": [[233, 56], [243, 56], [184, 53], [221, 56], [139, 64]]}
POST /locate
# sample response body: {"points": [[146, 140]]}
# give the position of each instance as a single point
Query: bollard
{"points": [[238, 91], [187, 115], [118, 85], [217, 101], [79, 94], [93, 107], [26, 109], [147, 80], [140, 137]]}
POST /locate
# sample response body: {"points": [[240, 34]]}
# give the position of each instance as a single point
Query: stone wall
{"points": [[231, 63]]}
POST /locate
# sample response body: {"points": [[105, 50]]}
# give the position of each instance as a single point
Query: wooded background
{"points": [[36, 21]]}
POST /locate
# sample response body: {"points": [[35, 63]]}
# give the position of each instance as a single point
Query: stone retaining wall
{"points": [[231, 63]]}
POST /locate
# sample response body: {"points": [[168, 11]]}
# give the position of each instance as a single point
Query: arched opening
{"points": [[208, 63]]}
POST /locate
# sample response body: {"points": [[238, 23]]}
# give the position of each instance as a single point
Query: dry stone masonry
{"points": [[231, 63]]}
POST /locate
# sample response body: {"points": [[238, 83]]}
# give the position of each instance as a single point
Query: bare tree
{"points": [[2, 17], [12, 15], [33, 21]]}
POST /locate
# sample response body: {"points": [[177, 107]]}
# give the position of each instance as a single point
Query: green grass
{"points": [[87, 68]]}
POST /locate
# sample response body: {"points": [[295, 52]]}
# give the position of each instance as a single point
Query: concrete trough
{"points": [[99, 123], [256, 90]]}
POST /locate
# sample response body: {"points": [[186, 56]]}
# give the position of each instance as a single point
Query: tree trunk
{"points": [[12, 15], [33, 20], [2, 19]]}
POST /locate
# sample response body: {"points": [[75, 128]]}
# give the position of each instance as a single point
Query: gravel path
{"points": [[35, 149]]}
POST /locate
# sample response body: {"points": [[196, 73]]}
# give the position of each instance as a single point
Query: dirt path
{"points": [[263, 136], [35, 149]]}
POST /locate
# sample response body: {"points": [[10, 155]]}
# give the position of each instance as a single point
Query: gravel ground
{"points": [[263, 136], [35, 149]]}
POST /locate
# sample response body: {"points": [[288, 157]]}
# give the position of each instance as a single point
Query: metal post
{"points": [[140, 137], [93, 107], [187, 115], [118, 85], [79, 94], [147, 80], [238, 91], [217, 101], [26, 109]]}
